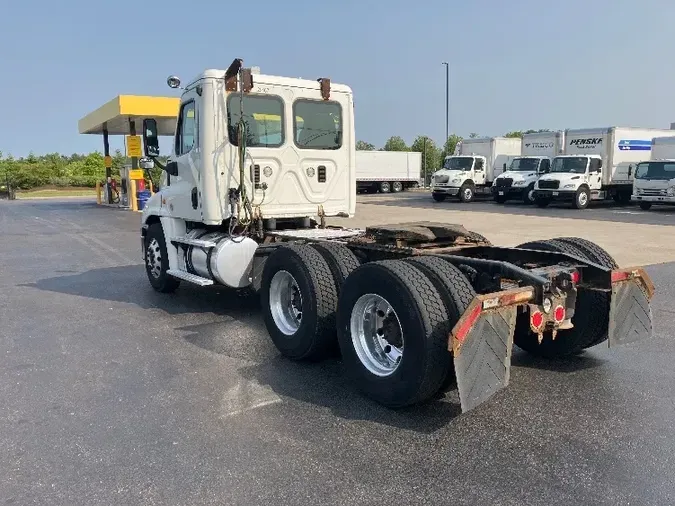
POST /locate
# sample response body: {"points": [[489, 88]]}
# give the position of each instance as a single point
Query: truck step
{"points": [[194, 242], [190, 278]]}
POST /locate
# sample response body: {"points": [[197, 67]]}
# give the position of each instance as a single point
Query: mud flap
{"points": [[630, 315], [482, 342]]}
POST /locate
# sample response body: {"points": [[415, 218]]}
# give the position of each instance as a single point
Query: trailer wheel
{"points": [[583, 198], [590, 319], [397, 186], [466, 192], [645, 206], [528, 195], [456, 293], [438, 197], [385, 187], [340, 259], [299, 300], [392, 333], [157, 260]]}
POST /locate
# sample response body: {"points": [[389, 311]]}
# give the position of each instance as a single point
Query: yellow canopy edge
{"points": [[115, 115]]}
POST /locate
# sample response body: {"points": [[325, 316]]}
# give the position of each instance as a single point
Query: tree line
{"points": [[57, 170]]}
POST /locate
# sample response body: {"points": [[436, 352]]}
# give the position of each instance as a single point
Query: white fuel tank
{"points": [[229, 262]]}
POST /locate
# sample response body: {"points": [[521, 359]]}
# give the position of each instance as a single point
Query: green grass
{"points": [[56, 193]]}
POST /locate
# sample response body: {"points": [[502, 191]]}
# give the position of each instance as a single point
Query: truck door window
{"points": [[595, 165], [263, 120], [545, 166], [317, 124], [479, 164], [187, 127]]}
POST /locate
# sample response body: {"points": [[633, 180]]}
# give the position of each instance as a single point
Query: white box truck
{"points": [[654, 181], [598, 164], [473, 167], [411, 307], [388, 171], [517, 181]]}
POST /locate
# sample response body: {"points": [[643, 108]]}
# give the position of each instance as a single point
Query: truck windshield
{"points": [[458, 163], [524, 164], [655, 170], [575, 164]]}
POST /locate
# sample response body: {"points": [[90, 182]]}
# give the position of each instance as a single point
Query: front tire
{"points": [[438, 197], [157, 261], [392, 331], [299, 300], [466, 192], [645, 206], [542, 202], [500, 199], [528, 195], [582, 198]]}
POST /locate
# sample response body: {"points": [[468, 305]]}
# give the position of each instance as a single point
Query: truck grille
{"points": [[504, 182], [549, 185], [441, 179], [654, 193]]}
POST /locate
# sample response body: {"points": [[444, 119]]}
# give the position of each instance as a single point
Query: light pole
{"points": [[447, 98]]}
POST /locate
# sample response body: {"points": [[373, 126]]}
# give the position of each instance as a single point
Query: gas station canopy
{"points": [[114, 116]]}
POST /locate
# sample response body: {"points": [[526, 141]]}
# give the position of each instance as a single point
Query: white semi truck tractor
{"points": [[517, 181], [473, 167], [654, 181], [598, 164], [259, 164]]}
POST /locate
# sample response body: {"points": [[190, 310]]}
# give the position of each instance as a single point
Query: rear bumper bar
{"points": [[482, 340]]}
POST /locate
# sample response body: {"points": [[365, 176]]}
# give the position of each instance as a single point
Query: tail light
{"points": [[536, 319], [559, 314]]}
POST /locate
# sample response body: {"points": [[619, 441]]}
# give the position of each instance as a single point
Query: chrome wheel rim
{"points": [[285, 302], [530, 195], [467, 194], [377, 335], [153, 259], [385, 187], [583, 199], [398, 187]]}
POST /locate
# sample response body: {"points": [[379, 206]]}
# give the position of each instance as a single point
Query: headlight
{"points": [[671, 191], [455, 181], [638, 191], [569, 186]]}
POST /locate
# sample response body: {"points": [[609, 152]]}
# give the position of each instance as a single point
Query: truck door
{"points": [[184, 196], [595, 174], [479, 171]]}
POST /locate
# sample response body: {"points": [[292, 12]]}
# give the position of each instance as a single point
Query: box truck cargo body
{"points": [[473, 167], [654, 181], [517, 181], [598, 164], [387, 171]]}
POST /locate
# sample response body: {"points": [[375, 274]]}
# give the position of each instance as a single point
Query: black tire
{"points": [[385, 187], [582, 198], [467, 192], [315, 337], [423, 320], [396, 187], [542, 202], [527, 193], [438, 197], [163, 283], [500, 199], [645, 206], [340, 259], [590, 319], [456, 293]]}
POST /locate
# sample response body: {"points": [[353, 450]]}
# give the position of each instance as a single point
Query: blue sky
{"points": [[514, 65]]}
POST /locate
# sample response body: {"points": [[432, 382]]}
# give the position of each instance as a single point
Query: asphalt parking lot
{"points": [[113, 394]]}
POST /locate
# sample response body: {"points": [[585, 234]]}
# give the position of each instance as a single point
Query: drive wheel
{"points": [[392, 331], [157, 260], [397, 187], [466, 192], [299, 300], [385, 187]]}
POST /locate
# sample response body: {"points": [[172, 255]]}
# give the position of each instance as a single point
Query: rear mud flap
{"points": [[482, 342], [630, 315]]}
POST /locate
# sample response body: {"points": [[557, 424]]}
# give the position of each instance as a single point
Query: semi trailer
{"points": [[413, 309], [517, 180], [473, 167], [654, 181], [598, 164], [388, 171]]}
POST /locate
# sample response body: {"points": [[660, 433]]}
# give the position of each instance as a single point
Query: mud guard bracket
{"points": [[481, 343], [630, 315]]}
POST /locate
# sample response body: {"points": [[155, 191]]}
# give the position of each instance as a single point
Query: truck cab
{"points": [[654, 183], [458, 177], [572, 178], [518, 179]]}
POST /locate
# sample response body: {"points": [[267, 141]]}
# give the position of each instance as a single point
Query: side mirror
{"points": [[599, 165], [630, 170], [504, 167], [146, 163], [150, 138]]}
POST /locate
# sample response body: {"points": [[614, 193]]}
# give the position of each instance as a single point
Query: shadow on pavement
{"points": [[566, 365]]}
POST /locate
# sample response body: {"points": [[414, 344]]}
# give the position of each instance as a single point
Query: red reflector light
{"points": [[576, 277], [537, 319], [559, 313], [620, 275]]}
